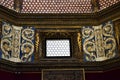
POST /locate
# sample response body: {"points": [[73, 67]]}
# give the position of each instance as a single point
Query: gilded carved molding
{"points": [[79, 50], [79, 40], [37, 42]]}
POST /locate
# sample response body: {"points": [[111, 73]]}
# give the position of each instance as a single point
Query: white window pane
{"points": [[57, 48]]}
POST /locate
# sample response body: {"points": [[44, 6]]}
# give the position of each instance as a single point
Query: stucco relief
{"points": [[99, 42], [17, 43], [27, 46]]}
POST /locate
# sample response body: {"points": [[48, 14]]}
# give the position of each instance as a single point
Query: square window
{"points": [[58, 48]]}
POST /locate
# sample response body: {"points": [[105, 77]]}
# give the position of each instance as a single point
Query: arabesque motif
{"points": [[99, 42], [17, 43]]}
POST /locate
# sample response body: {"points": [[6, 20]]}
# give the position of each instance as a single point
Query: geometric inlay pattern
{"points": [[106, 3], [7, 3], [56, 6]]}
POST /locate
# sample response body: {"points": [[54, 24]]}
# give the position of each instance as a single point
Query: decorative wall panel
{"points": [[6, 41], [99, 42], [27, 46], [63, 74], [17, 43]]}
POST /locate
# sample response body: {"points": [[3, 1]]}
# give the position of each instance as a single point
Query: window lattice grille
{"points": [[56, 6], [57, 48], [7, 3], [106, 3]]}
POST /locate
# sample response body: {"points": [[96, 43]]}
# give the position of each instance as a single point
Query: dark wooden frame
{"points": [[59, 35]]}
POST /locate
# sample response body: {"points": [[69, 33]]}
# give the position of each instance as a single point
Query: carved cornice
{"points": [[96, 18], [54, 64]]}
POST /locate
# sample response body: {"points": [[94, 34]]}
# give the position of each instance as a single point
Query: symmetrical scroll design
{"points": [[10, 42], [27, 46], [99, 42], [17, 43], [6, 41]]}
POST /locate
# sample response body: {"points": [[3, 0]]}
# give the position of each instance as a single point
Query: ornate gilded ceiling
{"points": [[57, 6]]}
